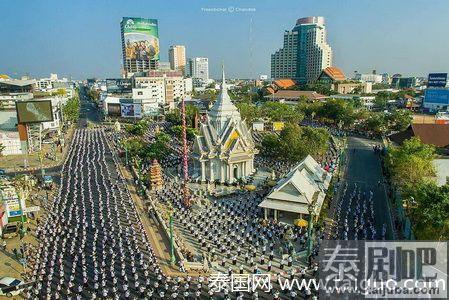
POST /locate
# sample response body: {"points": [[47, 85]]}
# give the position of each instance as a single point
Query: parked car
{"points": [[10, 231], [10, 286], [2, 172]]}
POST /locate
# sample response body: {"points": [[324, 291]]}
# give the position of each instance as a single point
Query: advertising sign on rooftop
{"points": [[440, 97], [437, 80], [34, 111], [119, 85], [130, 108], [141, 38]]}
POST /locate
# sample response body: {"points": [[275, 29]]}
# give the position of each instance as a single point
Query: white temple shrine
{"points": [[224, 149], [305, 185]]}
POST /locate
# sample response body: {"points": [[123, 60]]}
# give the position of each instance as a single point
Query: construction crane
{"points": [[185, 163]]}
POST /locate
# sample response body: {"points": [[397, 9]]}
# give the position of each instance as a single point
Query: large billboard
{"points": [[130, 108], [440, 97], [114, 109], [141, 38], [437, 80], [119, 85], [34, 111]]}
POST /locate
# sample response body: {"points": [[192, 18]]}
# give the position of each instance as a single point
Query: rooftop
{"points": [[433, 134], [284, 83], [335, 73], [296, 95]]}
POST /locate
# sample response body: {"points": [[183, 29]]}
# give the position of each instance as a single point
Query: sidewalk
{"points": [[16, 163], [10, 265], [154, 232]]}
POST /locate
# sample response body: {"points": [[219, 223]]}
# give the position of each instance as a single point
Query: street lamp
{"points": [[311, 208], [172, 240]]}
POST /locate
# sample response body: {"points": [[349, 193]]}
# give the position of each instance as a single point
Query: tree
{"points": [[270, 145], [291, 147], [139, 149], [315, 140], [430, 214], [376, 123], [175, 117], [248, 111], [71, 110], [190, 132], [381, 99], [137, 129], [159, 149], [411, 163], [400, 119], [276, 111], [336, 111], [295, 142]]}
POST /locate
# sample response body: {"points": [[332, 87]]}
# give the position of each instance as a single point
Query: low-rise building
{"points": [[432, 134], [292, 97], [13, 207], [304, 187], [349, 87], [9, 134], [373, 78], [331, 75]]}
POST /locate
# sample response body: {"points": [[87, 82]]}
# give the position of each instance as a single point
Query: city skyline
{"points": [[83, 39]]}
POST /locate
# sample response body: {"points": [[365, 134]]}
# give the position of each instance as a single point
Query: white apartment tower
{"points": [[199, 69], [305, 52]]}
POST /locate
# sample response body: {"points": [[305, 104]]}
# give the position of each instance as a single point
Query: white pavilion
{"points": [[224, 149], [306, 184]]}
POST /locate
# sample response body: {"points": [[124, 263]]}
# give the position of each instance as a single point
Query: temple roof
{"points": [[224, 133], [223, 109]]}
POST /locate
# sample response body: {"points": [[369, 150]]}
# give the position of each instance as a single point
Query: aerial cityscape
{"points": [[158, 155]]}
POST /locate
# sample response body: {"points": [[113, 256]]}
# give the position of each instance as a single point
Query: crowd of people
{"points": [[231, 236], [355, 215], [93, 244]]}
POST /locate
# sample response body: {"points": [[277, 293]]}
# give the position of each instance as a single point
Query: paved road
{"points": [[88, 110], [363, 176], [93, 227]]}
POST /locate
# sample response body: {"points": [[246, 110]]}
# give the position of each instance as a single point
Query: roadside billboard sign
{"points": [[34, 111], [437, 80]]}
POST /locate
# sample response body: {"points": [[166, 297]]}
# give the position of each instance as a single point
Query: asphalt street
{"points": [[364, 175]]}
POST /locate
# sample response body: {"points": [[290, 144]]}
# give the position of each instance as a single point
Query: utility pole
{"points": [[185, 163], [311, 209], [172, 242]]}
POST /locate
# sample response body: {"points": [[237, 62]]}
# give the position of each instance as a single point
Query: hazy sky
{"points": [[82, 38]]}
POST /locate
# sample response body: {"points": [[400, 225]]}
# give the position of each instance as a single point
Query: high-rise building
{"points": [[305, 52], [140, 45], [177, 57], [198, 69]]}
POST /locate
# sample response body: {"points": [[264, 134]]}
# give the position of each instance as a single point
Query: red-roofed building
{"points": [[331, 75], [433, 134], [283, 84]]}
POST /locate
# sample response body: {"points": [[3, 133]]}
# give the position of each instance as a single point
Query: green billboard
{"points": [[141, 38]]}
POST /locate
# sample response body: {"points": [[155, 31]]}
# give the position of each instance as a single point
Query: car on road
{"points": [[10, 231], [10, 286]]}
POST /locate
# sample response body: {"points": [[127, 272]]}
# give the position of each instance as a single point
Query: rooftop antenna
{"points": [[251, 48]]}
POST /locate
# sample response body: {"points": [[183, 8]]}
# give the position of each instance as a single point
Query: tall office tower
{"points": [[305, 53], [284, 61], [198, 69], [177, 57], [140, 45]]}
